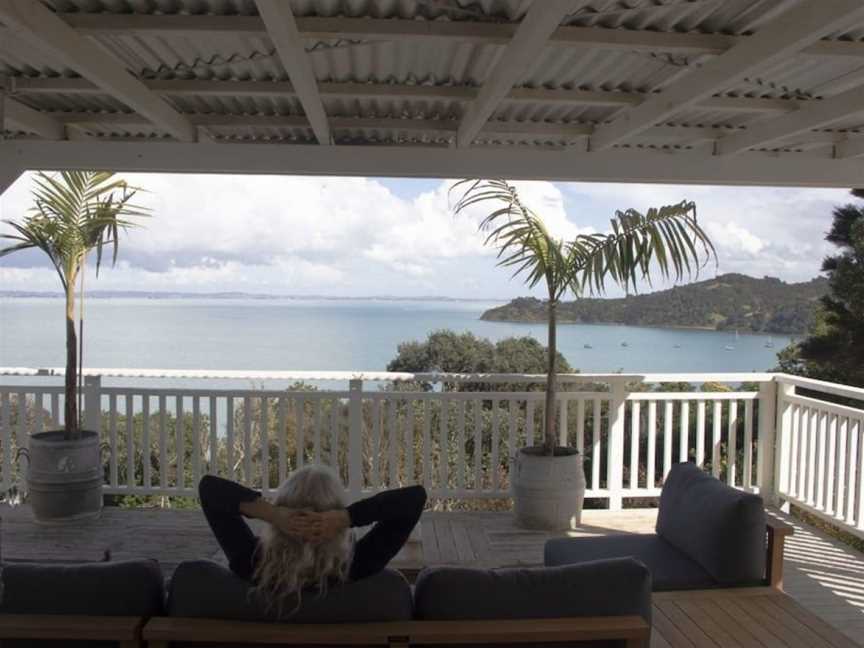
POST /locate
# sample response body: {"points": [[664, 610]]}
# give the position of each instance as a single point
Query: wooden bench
{"points": [[633, 630], [62, 627], [777, 533]]}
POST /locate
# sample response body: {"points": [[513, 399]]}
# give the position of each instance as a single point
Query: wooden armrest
{"points": [[69, 627], [779, 527], [633, 629], [777, 533]]}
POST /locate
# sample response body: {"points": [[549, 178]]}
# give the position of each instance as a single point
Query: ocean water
{"points": [[306, 334]]}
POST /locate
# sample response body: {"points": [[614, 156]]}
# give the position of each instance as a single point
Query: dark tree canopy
{"points": [[834, 349], [450, 352]]}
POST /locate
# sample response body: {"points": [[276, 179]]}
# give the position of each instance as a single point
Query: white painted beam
{"points": [[615, 165], [805, 23], [9, 172], [799, 122], [389, 29], [282, 29], [17, 116], [523, 130], [205, 88], [35, 23], [519, 57]]}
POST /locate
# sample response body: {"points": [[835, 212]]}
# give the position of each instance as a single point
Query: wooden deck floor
{"points": [[824, 578]]}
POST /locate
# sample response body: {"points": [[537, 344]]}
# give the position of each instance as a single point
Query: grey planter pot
{"points": [[548, 492], [64, 478]]}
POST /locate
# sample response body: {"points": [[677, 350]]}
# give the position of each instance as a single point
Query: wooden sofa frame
{"points": [[777, 533], [633, 630], [126, 630]]}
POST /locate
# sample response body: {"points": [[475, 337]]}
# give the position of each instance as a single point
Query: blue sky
{"points": [[373, 236]]}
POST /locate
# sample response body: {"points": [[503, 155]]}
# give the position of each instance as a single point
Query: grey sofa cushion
{"points": [[670, 569], [720, 527], [127, 588], [202, 588], [602, 588]]}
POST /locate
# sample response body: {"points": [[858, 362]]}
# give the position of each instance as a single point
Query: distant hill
{"points": [[730, 301]]}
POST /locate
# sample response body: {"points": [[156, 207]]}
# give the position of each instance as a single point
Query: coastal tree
{"points": [[74, 214], [834, 347], [668, 240], [445, 351]]}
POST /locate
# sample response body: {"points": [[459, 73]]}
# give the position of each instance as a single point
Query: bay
{"points": [[339, 335]]}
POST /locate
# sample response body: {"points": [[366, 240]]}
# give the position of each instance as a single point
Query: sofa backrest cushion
{"points": [[619, 586], [205, 589], [717, 526], [125, 588]]}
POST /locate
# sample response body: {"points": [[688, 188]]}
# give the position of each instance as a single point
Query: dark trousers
{"points": [[394, 514]]}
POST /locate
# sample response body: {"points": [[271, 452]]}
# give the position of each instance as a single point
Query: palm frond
{"points": [[668, 239]]}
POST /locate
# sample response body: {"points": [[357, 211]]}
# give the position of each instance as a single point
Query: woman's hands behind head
{"points": [[311, 526]]}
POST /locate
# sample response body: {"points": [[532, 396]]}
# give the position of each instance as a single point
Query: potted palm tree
{"points": [[548, 483], [74, 213]]}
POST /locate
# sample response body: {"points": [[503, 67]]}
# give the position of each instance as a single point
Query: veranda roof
{"points": [[714, 91]]}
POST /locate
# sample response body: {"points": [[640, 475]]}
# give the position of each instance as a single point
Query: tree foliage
{"points": [[834, 348], [666, 240], [74, 213], [445, 351]]}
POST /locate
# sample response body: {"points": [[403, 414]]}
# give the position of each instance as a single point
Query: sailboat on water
{"points": [[731, 347]]}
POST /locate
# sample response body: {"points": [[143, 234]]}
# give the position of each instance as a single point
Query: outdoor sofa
{"points": [[708, 535], [601, 603]]}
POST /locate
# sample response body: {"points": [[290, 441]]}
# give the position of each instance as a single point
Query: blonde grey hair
{"points": [[287, 565]]}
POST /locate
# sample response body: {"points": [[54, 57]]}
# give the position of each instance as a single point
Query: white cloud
{"points": [[732, 237], [355, 236]]}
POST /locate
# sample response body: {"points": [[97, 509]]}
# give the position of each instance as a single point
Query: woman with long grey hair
{"points": [[308, 542]]}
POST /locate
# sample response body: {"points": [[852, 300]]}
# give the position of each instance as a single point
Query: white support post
{"points": [[355, 438], [768, 442], [615, 444], [93, 404], [780, 454]]}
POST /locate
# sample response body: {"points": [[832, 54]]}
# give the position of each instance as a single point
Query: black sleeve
{"points": [[388, 505], [223, 495]]}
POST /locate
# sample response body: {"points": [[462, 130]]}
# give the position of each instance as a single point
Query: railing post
{"points": [[767, 442], [355, 438], [779, 473], [615, 444], [92, 415]]}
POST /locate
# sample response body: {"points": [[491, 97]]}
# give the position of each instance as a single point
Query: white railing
{"points": [[435, 429], [820, 450]]}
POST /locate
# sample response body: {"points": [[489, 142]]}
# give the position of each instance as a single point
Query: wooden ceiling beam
{"points": [[793, 30], [390, 29], [282, 30], [44, 29]]}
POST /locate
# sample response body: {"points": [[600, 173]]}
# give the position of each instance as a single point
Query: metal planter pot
{"points": [[64, 477], [548, 492]]}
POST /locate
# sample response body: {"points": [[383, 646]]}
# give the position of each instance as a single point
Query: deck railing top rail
{"points": [[391, 376]]}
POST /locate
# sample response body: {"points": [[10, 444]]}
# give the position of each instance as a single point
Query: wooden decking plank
{"points": [[658, 640], [707, 623], [464, 551], [740, 615], [828, 634], [446, 544], [670, 632], [429, 540], [775, 612], [686, 625], [724, 620], [775, 626]]}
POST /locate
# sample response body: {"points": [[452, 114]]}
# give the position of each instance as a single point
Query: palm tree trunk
{"points": [[551, 382], [71, 409]]}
